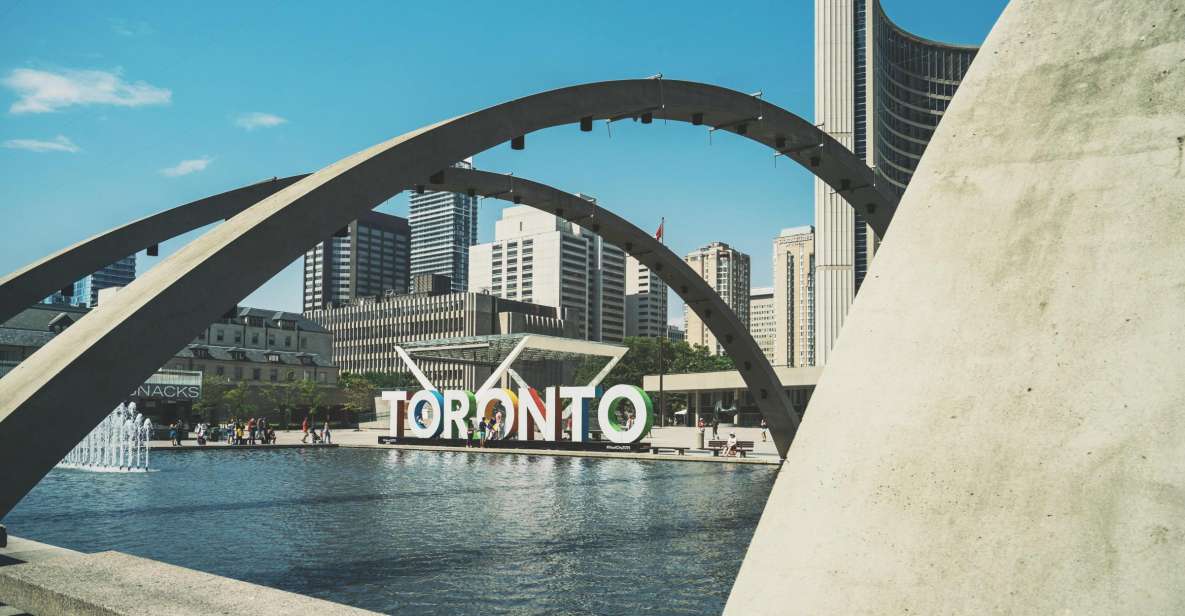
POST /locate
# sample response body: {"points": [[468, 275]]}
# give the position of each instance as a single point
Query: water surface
{"points": [[424, 532]]}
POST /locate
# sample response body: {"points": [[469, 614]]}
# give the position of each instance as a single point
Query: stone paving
{"points": [[763, 452]]}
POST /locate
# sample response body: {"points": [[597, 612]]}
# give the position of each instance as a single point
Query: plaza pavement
{"points": [[666, 437]]}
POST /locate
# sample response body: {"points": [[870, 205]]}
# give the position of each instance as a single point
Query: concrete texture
{"points": [[115, 346], [113, 583], [1000, 429]]}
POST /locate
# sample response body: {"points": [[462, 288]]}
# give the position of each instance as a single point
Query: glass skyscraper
{"points": [[443, 227], [880, 91], [85, 292], [367, 258]]}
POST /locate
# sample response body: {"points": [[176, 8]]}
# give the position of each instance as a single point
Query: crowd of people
{"points": [[488, 429], [250, 431]]}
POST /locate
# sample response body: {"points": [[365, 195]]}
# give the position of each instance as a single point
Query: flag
{"points": [[658, 234]]}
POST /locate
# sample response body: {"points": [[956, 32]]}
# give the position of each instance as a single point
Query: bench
{"points": [[743, 447], [678, 450]]}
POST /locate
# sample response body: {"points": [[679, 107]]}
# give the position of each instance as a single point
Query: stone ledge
{"points": [[117, 584]]}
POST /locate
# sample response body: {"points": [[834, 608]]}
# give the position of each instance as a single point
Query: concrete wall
{"points": [[1000, 427]]}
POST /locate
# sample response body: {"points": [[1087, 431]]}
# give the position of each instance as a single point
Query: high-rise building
{"points": [[85, 292], [727, 271], [367, 258], [761, 319], [366, 332], [443, 227], [794, 297], [645, 301], [880, 91], [541, 258]]}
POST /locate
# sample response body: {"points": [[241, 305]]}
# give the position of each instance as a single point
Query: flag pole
{"points": [[662, 338]]}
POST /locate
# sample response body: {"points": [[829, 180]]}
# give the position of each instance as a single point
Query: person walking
{"points": [[200, 433], [304, 427], [481, 433], [251, 431], [173, 433], [715, 428], [764, 430], [325, 436]]}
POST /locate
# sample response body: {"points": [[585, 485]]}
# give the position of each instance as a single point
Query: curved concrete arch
{"points": [[40, 278], [109, 352], [694, 291]]}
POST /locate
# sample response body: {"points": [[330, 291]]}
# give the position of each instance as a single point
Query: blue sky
{"points": [[115, 110]]}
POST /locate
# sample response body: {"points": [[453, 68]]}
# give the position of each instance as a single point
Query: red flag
{"points": [[658, 234]]}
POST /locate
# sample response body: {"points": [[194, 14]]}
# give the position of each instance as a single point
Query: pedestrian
{"points": [[715, 427], [325, 436], [251, 431], [493, 427], [764, 430], [201, 433], [304, 427], [173, 433], [239, 433], [481, 433]]}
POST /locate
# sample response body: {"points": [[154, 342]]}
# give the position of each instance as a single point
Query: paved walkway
{"points": [[763, 452]]}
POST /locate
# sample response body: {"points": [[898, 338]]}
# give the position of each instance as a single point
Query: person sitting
{"points": [[730, 446]]}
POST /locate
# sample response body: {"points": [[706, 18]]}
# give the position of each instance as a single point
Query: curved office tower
{"points": [[880, 91]]}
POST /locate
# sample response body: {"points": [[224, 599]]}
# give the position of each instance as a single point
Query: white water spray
{"points": [[119, 443]]}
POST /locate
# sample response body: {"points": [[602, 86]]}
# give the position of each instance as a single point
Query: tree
{"points": [[311, 395], [282, 397], [241, 401], [643, 359], [214, 390], [359, 394]]}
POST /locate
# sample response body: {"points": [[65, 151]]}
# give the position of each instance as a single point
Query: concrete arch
{"points": [[106, 354], [694, 291], [42, 277]]}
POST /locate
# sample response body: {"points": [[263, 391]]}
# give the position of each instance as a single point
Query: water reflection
{"points": [[425, 532]]}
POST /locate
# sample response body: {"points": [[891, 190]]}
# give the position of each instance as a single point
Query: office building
{"points": [[761, 319], [645, 301], [443, 227], [85, 292], [367, 258], [727, 271], [675, 334], [541, 258], [366, 331], [794, 297], [880, 91]]}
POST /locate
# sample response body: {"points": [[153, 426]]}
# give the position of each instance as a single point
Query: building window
{"points": [[256, 373], [238, 337], [287, 341], [255, 338], [291, 376], [220, 371], [273, 358], [238, 373], [218, 335], [304, 343], [273, 375]]}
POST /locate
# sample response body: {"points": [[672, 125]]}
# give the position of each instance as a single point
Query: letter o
{"points": [[433, 400], [607, 414]]}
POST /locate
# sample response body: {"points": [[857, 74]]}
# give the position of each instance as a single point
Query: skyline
{"points": [[129, 131]]}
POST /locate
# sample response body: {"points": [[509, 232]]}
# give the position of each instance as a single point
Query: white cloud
{"points": [[187, 167], [57, 144], [258, 119], [45, 91]]}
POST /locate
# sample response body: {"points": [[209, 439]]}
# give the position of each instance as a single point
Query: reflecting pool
{"points": [[424, 532]]}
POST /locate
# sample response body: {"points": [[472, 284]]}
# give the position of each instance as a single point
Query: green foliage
{"points": [[312, 396], [644, 358], [242, 400], [214, 390], [281, 397], [360, 389]]}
